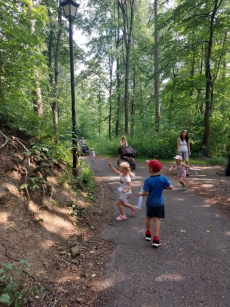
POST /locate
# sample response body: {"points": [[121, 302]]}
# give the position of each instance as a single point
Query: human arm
{"points": [[167, 184], [171, 168], [185, 166], [188, 145], [129, 185], [113, 169], [143, 193], [178, 146]]}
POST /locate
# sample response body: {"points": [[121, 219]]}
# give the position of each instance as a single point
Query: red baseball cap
{"points": [[155, 165]]}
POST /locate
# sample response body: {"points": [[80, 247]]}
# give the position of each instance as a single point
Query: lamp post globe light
{"points": [[70, 9]]}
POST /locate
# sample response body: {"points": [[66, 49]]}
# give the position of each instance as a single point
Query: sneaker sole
{"points": [[156, 245], [148, 239]]}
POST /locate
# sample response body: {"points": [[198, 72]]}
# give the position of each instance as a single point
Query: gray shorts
{"points": [[156, 212]]}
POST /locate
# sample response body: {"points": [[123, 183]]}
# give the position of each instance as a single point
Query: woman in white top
{"points": [[123, 143], [183, 147]]}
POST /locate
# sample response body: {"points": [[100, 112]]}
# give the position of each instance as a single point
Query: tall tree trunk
{"points": [[118, 97], [209, 81], [110, 94], [53, 76], [192, 61], [199, 91], [51, 38], [37, 100], [118, 77], [133, 104], [127, 69], [127, 32], [55, 104], [100, 100], [156, 73]]}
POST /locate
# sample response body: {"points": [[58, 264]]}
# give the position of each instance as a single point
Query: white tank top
{"points": [[183, 146]]}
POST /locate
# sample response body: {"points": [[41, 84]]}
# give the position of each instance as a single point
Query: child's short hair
{"points": [[155, 165]]}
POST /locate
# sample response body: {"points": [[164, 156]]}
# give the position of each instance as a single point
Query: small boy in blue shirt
{"points": [[153, 188]]}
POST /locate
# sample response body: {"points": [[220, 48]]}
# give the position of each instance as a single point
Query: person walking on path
{"points": [[125, 189], [82, 141], [123, 143], [93, 154], [180, 169], [183, 147], [153, 188]]}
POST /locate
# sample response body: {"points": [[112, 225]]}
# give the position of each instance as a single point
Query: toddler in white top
{"points": [[125, 189], [93, 154]]}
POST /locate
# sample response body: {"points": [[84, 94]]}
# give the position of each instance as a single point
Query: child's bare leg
{"points": [[186, 163], [120, 206], [133, 208], [181, 181], [156, 226], [127, 205], [148, 224]]}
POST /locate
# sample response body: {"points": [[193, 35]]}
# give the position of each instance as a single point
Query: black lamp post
{"points": [[70, 9]]}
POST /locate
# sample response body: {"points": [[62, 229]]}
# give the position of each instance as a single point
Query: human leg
{"points": [[186, 163], [133, 208], [157, 213], [156, 226], [182, 182], [156, 241], [124, 198], [122, 215], [148, 224], [120, 206], [148, 234]]}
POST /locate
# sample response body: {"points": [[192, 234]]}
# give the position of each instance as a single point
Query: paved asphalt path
{"points": [[192, 266]]}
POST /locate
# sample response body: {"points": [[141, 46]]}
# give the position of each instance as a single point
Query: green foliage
{"points": [[158, 146], [20, 119], [54, 152], [11, 280], [76, 210], [152, 145], [103, 146], [218, 160], [182, 51], [87, 177]]}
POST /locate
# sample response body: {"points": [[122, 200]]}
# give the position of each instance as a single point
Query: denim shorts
{"points": [[158, 211], [184, 154]]}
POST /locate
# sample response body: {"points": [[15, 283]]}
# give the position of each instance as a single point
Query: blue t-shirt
{"points": [[155, 186]]}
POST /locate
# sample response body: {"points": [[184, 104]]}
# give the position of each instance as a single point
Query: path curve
{"points": [[190, 269]]}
